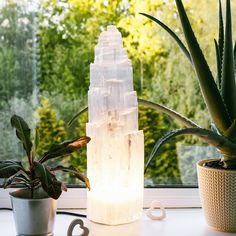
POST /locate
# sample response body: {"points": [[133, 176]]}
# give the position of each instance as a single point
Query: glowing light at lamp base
{"points": [[115, 208]]}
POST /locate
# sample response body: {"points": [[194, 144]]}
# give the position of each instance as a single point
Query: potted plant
{"points": [[216, 177], [34, 206]]}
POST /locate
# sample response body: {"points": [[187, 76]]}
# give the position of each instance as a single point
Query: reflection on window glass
{"points": [[188, 157], [45, 51], [17, 71]]}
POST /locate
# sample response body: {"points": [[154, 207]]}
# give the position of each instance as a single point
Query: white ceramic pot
{"points": [[218, 196]]}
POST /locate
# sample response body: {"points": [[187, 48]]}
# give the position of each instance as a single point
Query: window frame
{"points": [[75, 198]]}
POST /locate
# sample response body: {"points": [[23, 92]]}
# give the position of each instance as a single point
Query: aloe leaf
{"points": [[221, 34], [49, 182], [65, 148], [218, 60], [235, 57], [77, 115], [218, 141], [214, 128], [179, 117], [208, 86], [228, 77], [9, 168], [172, 34], [73, 171], [22, 132], [231, 132]]}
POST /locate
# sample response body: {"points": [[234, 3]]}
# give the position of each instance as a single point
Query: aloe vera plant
{"points": [[219, 93], [37, 174]]}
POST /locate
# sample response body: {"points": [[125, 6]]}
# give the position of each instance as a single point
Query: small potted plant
{"points": [[34, 205], [216, 177]]}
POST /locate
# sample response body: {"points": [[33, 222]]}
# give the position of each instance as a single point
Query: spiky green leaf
{"points": [[22, 132], [208, 86], [228, 76], [212, 138], [49, 182], [77, 115], [65, 148], [173, 35], [179, 117], [235, 57], [231, 132], [218, 61], [214, 128], [221, 36]]}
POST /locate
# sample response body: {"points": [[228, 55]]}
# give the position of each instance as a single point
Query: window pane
{"points": [[17, 71], [45, 51]]}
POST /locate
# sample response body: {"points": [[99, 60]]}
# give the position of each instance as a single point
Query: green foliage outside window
{"points": [[67, 31], [165, 168], [15, 53], [50, 129]]}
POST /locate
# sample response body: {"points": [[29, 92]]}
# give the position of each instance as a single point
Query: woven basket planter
{"points": [[218, 196]]}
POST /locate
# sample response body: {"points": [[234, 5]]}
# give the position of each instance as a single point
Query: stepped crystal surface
{"points": [[115, 154]]}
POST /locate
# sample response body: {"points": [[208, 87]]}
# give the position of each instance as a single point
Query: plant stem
{"points": [[32, 192], [32, 185]]}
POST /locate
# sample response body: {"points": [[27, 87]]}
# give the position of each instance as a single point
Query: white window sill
{"points": [[182, 222], [75, 198]]}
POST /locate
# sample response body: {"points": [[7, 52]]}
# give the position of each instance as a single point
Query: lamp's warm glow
{"points": [[116, 151]]}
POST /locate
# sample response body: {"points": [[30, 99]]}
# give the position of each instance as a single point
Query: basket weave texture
{"points": [[218, 196]]}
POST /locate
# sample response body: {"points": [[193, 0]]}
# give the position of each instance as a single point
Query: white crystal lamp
{"points": [[115, 154]]}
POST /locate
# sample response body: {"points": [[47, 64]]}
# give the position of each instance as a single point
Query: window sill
{"points": [[75, 198], [182, 222]]}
